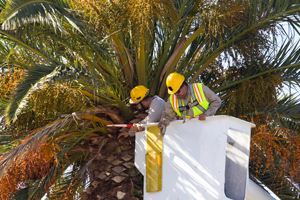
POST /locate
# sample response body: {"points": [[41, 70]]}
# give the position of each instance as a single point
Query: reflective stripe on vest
{"points": [[197, 94]]}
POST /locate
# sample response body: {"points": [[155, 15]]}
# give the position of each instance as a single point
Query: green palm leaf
{"points": [[39, 75], [287, 110], [20, 12], [285, 62], [145, 49], [25, 88]]}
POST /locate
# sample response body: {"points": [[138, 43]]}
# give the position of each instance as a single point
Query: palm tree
{"points": [[108, 47]]}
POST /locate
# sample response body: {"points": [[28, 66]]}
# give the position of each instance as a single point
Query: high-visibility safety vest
{"points": [[198, 103]]}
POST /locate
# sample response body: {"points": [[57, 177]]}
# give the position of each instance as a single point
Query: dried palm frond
{"points": [[31, 143]]}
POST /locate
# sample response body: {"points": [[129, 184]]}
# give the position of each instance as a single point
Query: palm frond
{"points": [[285, 61], [17, 13], [7, 143], [3, 105], [67, 183], [29, 144], [25, 88], [287, 109], [35, 189], [36, 77], [283, 191]]}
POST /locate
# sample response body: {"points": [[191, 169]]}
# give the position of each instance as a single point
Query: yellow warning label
{"points": [[153, 160]]}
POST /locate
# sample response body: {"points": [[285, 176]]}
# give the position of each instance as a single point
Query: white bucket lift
{"points": [[197, 160]]}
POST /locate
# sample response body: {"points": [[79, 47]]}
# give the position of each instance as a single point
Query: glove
{"points": [[134, 128], [141, 128], [162, 124]]}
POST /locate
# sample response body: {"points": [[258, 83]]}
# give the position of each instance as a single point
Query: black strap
{"points": [[143, 108], [189, 106], [182, 108]]}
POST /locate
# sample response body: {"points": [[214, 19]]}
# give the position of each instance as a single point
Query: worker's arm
{"points": [[169, 114], [156, 108], [213, 99], [133, 129]]}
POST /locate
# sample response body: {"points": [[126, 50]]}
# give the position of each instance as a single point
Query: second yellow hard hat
{"points": [[174, 82], [138, 93]]}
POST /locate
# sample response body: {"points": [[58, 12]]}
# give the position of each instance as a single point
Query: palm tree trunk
{"points": [[112, 173]]}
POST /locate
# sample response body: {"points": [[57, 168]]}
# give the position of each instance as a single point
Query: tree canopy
{"points": [[67, 68]]}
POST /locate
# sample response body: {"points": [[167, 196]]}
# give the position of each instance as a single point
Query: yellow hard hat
{"points": [[138, 93], [174, 82]]}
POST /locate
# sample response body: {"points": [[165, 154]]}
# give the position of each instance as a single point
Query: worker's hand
{"points": [[202, 117], [141, 128], [124, 134], [161, 124], [134, 128]]}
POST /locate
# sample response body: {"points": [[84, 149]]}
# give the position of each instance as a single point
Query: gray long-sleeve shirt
{"points": [[211, 97], [156, 107]]}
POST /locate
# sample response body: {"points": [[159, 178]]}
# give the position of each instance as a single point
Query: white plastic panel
{"points": [[140, 151], [194, 157]]}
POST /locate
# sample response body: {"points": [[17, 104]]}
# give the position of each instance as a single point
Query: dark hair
{"points": [[146, 97]]}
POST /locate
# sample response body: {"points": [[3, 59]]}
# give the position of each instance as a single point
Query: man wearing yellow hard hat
{"points": [[139, 96], [188, 100]]}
